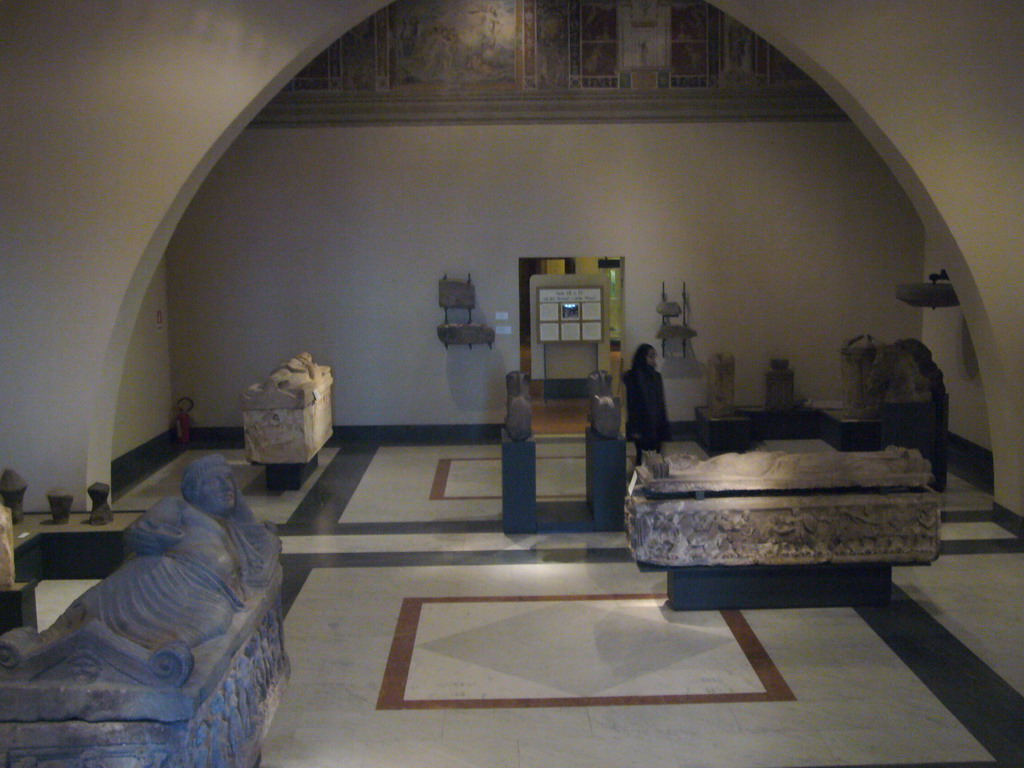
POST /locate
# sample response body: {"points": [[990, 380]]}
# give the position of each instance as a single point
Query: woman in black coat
{"points": [[646, 419]]}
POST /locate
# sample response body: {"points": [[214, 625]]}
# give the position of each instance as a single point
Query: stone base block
{"points": [[18, 606], [725, 434], [811, 586], [290, 477], [851, 434]]}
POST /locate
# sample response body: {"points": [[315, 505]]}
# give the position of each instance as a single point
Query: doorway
{"points": [[568, 415]]}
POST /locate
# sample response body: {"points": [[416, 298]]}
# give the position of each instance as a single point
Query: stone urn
{"points": [[518, 410], [858, 359], [12, 491], [101, 513], [778, 386], [60, 505], [605, 409], [721, 386]]}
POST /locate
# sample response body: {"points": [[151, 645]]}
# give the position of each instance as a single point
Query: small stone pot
{"points": [[60, 505]]}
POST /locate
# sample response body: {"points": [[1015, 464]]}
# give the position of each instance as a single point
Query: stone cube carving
{"points": [[175, 660], [288, 417]]}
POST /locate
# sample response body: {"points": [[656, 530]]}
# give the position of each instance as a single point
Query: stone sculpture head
{"points": [[209, 485]]}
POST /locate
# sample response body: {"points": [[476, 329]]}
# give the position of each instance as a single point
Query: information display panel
{"points": [[570, 314]]}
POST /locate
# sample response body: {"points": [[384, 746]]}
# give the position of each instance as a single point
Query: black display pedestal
{"points": [[923, 426], [606, 481], [791, 424], [701, 588], [290, 477], [724, 434], [18, 607], [518, 485], [850, 434]]}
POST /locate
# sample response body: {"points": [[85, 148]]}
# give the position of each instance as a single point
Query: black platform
{"points": [[18, 607], [725, 434], [701, 588], [290, 477], [851, 434]]}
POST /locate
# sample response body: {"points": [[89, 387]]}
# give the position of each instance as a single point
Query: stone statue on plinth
{"points": [[605, 410], [518, 410]]}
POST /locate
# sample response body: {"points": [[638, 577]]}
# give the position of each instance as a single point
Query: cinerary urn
{"points": [[289, 416]]}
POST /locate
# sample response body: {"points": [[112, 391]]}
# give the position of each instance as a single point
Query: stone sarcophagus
{"points": [[288, 417], [776, 509], [176, 660]]}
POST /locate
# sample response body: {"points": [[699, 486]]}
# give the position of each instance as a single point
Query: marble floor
{"points": [[421, 635]]}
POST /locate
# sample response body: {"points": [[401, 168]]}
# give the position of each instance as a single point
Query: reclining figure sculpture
{"points": [[185, 638]]}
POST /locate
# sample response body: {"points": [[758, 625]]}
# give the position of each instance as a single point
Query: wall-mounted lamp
{"points": [[934, 294]]}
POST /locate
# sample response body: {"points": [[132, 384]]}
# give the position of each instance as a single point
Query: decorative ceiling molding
{"points": [[297, 109]]}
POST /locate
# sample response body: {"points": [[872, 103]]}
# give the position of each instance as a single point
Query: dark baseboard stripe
{"points": [[142, 461], [418, 434], [209, 438], [970, 462], [1011, 521]]}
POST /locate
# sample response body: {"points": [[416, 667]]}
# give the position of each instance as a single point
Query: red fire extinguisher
{"points": [[183, 422]]}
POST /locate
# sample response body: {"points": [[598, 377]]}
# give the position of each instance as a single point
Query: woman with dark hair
{"points": [[646, 418]]}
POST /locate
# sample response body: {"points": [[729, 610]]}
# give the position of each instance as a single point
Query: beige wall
{"points": [[791, 238], [113, 113], [144, 397]]}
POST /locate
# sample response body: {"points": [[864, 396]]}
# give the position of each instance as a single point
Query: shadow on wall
{"points": [[679, 367], [476, 378]]}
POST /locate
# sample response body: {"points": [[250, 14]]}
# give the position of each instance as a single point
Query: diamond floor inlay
{"points": [[572, 651]]}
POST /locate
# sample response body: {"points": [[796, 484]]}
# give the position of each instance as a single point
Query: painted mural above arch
{"points": [[564, 59]]}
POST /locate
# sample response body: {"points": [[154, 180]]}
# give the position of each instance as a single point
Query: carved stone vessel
{"points": [[605, 410], [778, 386], [175, 660], [288, 417], [60, 505], [858, 358], [12, 491], [518, 411], [721, 386], [101, 513], [785, 509]]}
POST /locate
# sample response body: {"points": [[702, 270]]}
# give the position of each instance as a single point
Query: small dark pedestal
{"points": [[518, 485], [290, 477], [18, 607], [790, 424], [606, 481], [923, 426], [851, 434], [725, 587], [723, 434]]}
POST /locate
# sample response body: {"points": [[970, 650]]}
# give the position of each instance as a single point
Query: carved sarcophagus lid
{"points": [[777, 470]]}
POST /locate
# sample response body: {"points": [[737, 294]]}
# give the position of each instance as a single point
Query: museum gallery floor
{"points": [[420, 635]]}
